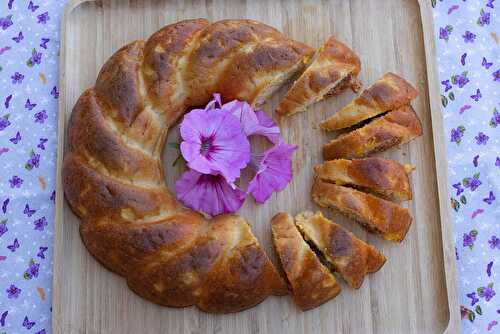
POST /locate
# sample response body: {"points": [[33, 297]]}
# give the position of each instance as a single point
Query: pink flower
{"points": [[253, 123], [274, 172], [214, 143], [208, 193]]}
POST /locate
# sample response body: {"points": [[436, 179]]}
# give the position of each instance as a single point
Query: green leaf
{"points": [[26, 276], [476, 175], [465, 182], [480, 290], [471, 316], [451, 96], [454, 79], [463, 199], [464, 73], [490, 285], [6, 116], [495, 110], [481, 12], [461, 128], [473, 233], [433, 3], [449, 28], [444, 101], [493, 124], [478, 310], [28, 166], [455, 204]]}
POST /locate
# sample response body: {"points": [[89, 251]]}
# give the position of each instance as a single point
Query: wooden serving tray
{"points": [[415, 292]]}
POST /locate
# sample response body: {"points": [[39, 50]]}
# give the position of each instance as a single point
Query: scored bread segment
{"points": [[351, 257], [311, 282], [377, 215], [395, 128], [334, 68], [384, 177], [387, 93]]}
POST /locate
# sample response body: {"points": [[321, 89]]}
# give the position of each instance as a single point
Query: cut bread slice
{"points": [[311, 282], [385, 177], [392, 129], [351, 257], [387, 93], [377, 215], [334, 68]]}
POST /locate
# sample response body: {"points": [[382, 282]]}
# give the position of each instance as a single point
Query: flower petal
{"points": [[211, 194], [229, 148], [274, 172]]}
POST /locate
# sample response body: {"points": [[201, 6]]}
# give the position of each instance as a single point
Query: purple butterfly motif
{"points": [[462, 59], [44, 42], [32, 6], [43, 18], [486, 64], [4, 49], [475, 161], [7, 101], [14, 246], [477, 96], [41, 144], [28, 105], [488, 268], [4, 205], [491, 197], [10, 4], [54, 92], [4, 150], [41, 252], [18, 38], [53, 196], [28, 324], [3, 317], [452, 9], [41, 331], [16, 139], [40, 224], [490, 4], [28, 212]]}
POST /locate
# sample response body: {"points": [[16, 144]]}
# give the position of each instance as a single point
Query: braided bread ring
{"points": [[114, 181]]}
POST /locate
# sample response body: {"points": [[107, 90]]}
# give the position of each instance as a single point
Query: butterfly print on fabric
{"points": [[14, 246]]}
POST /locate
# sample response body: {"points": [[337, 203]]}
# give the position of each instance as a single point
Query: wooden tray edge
{"points": [[441, 168], [439, 150]]}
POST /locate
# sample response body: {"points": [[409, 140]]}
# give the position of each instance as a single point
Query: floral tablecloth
{"points": [[468, 41]]}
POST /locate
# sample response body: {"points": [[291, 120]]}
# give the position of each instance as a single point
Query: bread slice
{"points": [[334, 68], [377, 215], [392, 129], [387, 93], [385, 177], [311, 282], [351, 257]]}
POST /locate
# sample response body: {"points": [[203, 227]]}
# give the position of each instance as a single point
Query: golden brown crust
{"points": [[335, 66], [114, 182], [311, 282], [385, 177], [395, 128], [387, 93], [377, 215], [351, 257]]}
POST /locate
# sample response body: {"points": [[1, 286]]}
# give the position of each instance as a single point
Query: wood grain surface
{"points": [[415, 292]]}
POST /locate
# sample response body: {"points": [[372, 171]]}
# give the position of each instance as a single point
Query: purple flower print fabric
{"points": [[28, 117], [468, 41]]}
